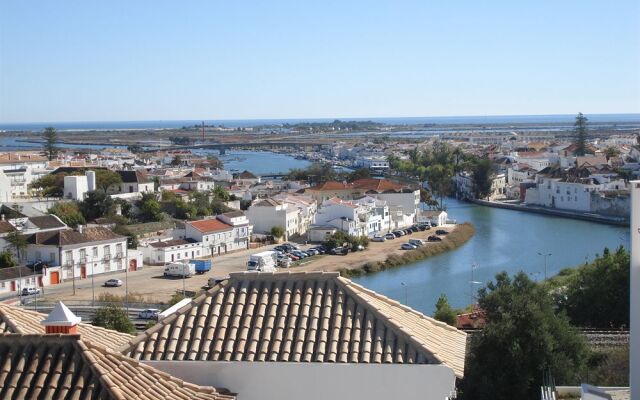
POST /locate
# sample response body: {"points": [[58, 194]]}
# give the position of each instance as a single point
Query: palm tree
{"points": [[19, 243]]}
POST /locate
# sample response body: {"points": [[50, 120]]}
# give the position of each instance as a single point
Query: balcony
{"points": [[107, 257], [119, 255]]}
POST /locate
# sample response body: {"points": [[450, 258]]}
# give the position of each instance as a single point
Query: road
{"points": [[149, 285]]}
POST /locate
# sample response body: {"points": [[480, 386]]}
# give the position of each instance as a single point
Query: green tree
{"points": [[134, 148], [221, 193], [177, 161], [580, 129], [150, 208], [105, 179], [523, 338], [277, 232], [50, 136], [598, 296], [201, 203], [360, 173], [611, 152], [96, 204], [444, 312], [482, 177], [68, 212], [7, 260], [18, 243], [113, 317], [50, 185], [132, 238]]}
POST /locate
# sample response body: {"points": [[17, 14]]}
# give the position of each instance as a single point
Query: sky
{"points": [[165, 60]]}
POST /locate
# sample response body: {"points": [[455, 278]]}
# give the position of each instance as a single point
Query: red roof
{"points": [[331, 185], [210, 225], [379, 185]]}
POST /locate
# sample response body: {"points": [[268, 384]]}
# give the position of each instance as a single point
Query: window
{"points": [[107, 252], [68, 255], [94, 251], [83, 256], [119, 250], [52, 257]]}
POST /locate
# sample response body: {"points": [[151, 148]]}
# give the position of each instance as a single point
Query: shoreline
{"points": [[554, 212], [457, 237]]}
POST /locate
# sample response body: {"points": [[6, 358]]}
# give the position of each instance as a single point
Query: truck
{"points": [[263, 262], [179, 270], [202, 266]]}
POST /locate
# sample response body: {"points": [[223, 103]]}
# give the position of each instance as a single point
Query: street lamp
{"points": [[406, 293], [545, 255]]}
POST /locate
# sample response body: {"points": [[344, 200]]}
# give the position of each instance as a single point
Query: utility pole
{"points": [[545, 255], [634, 351]]}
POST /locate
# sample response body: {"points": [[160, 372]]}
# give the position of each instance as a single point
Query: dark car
{"points": [[398, 233], [414, 229], [408, 231], [434, 238], [441, 232], [340, 251]]}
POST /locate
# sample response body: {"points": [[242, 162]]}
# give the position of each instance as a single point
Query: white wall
{"points": [[317, 381]]}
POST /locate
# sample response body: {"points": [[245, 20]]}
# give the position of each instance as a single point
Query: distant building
{"points": [[225, 233]]}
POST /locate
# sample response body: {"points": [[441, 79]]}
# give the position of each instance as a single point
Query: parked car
{"points": [[358, 247], [416, 242], [414, 228], [389, 236], [408, 231], [312, 252], [284, 262], [149, 313], [441, 232], [398, 233], [340, 251], [299, 253], [408, 246], [293, 257], [322, 249], [379, 238], [434, 238], [113, 283], [29, 291]]}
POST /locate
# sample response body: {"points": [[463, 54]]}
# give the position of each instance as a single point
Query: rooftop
{"points": [[67, 237], [210, 225], [299, 317]]}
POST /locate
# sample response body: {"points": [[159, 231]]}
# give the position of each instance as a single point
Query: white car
{"points": [[28, 291], [378, 239], [408, 246], [113, 283], [149, 313]]}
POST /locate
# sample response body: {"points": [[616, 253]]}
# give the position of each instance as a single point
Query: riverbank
{"points": [[456, 237], [601, 219]]}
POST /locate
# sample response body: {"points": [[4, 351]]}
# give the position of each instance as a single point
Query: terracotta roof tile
{"points": [[299, 317], [210, 225], [68, 367]]}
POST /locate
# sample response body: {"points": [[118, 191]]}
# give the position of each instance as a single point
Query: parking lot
{"points": [[154, 287]]}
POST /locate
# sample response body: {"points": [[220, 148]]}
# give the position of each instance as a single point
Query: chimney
{"points": [[61, 320], [91, 180]]}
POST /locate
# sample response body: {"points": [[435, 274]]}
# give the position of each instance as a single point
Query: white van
{"points": [[264, 261], [182, 270]]}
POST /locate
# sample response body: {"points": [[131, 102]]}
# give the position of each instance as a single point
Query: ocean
{"points": [[243, 123]]}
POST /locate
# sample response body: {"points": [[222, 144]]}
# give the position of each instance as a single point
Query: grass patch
{"points": [[456, 238]]}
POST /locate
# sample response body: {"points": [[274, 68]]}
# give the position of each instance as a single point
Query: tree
{"points": [[96, 204], [482, 177], [523, 338], [221, 193], [68, 212], [201, 203], [18, 242], [105, 179], [360, 173], [132, 238], [580, 129], [50, 185], [150, 209], [50, 136], [444, 312], [6, 259], [277, 232], [598, 297], [134, 148], [177, 161], [113, 317], [611, 152]]}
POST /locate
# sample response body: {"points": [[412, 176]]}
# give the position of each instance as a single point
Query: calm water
{"points": [[505, 240], [258, 162]]}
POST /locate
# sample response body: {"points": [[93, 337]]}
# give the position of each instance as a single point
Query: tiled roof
{"points": [[12, 273], [70, 236], [299, 317], [68, 367], [267, 203], [170, 243], [6, 227], [247, 175], [133, 176], [210, 225], [331, 185], [28, 322], [47, 222], [16, 158], [378, 185]]}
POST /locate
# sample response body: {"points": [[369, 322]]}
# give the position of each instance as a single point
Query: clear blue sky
{"points": [[149, 60]]}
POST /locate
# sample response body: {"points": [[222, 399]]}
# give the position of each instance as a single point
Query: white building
{"points": [[268, 213], [225, 233], [77, 186], [22, 169], [81, 253], [161, 252]]}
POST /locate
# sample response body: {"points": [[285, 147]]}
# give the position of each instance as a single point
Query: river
{"points": [[505, 240]]}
